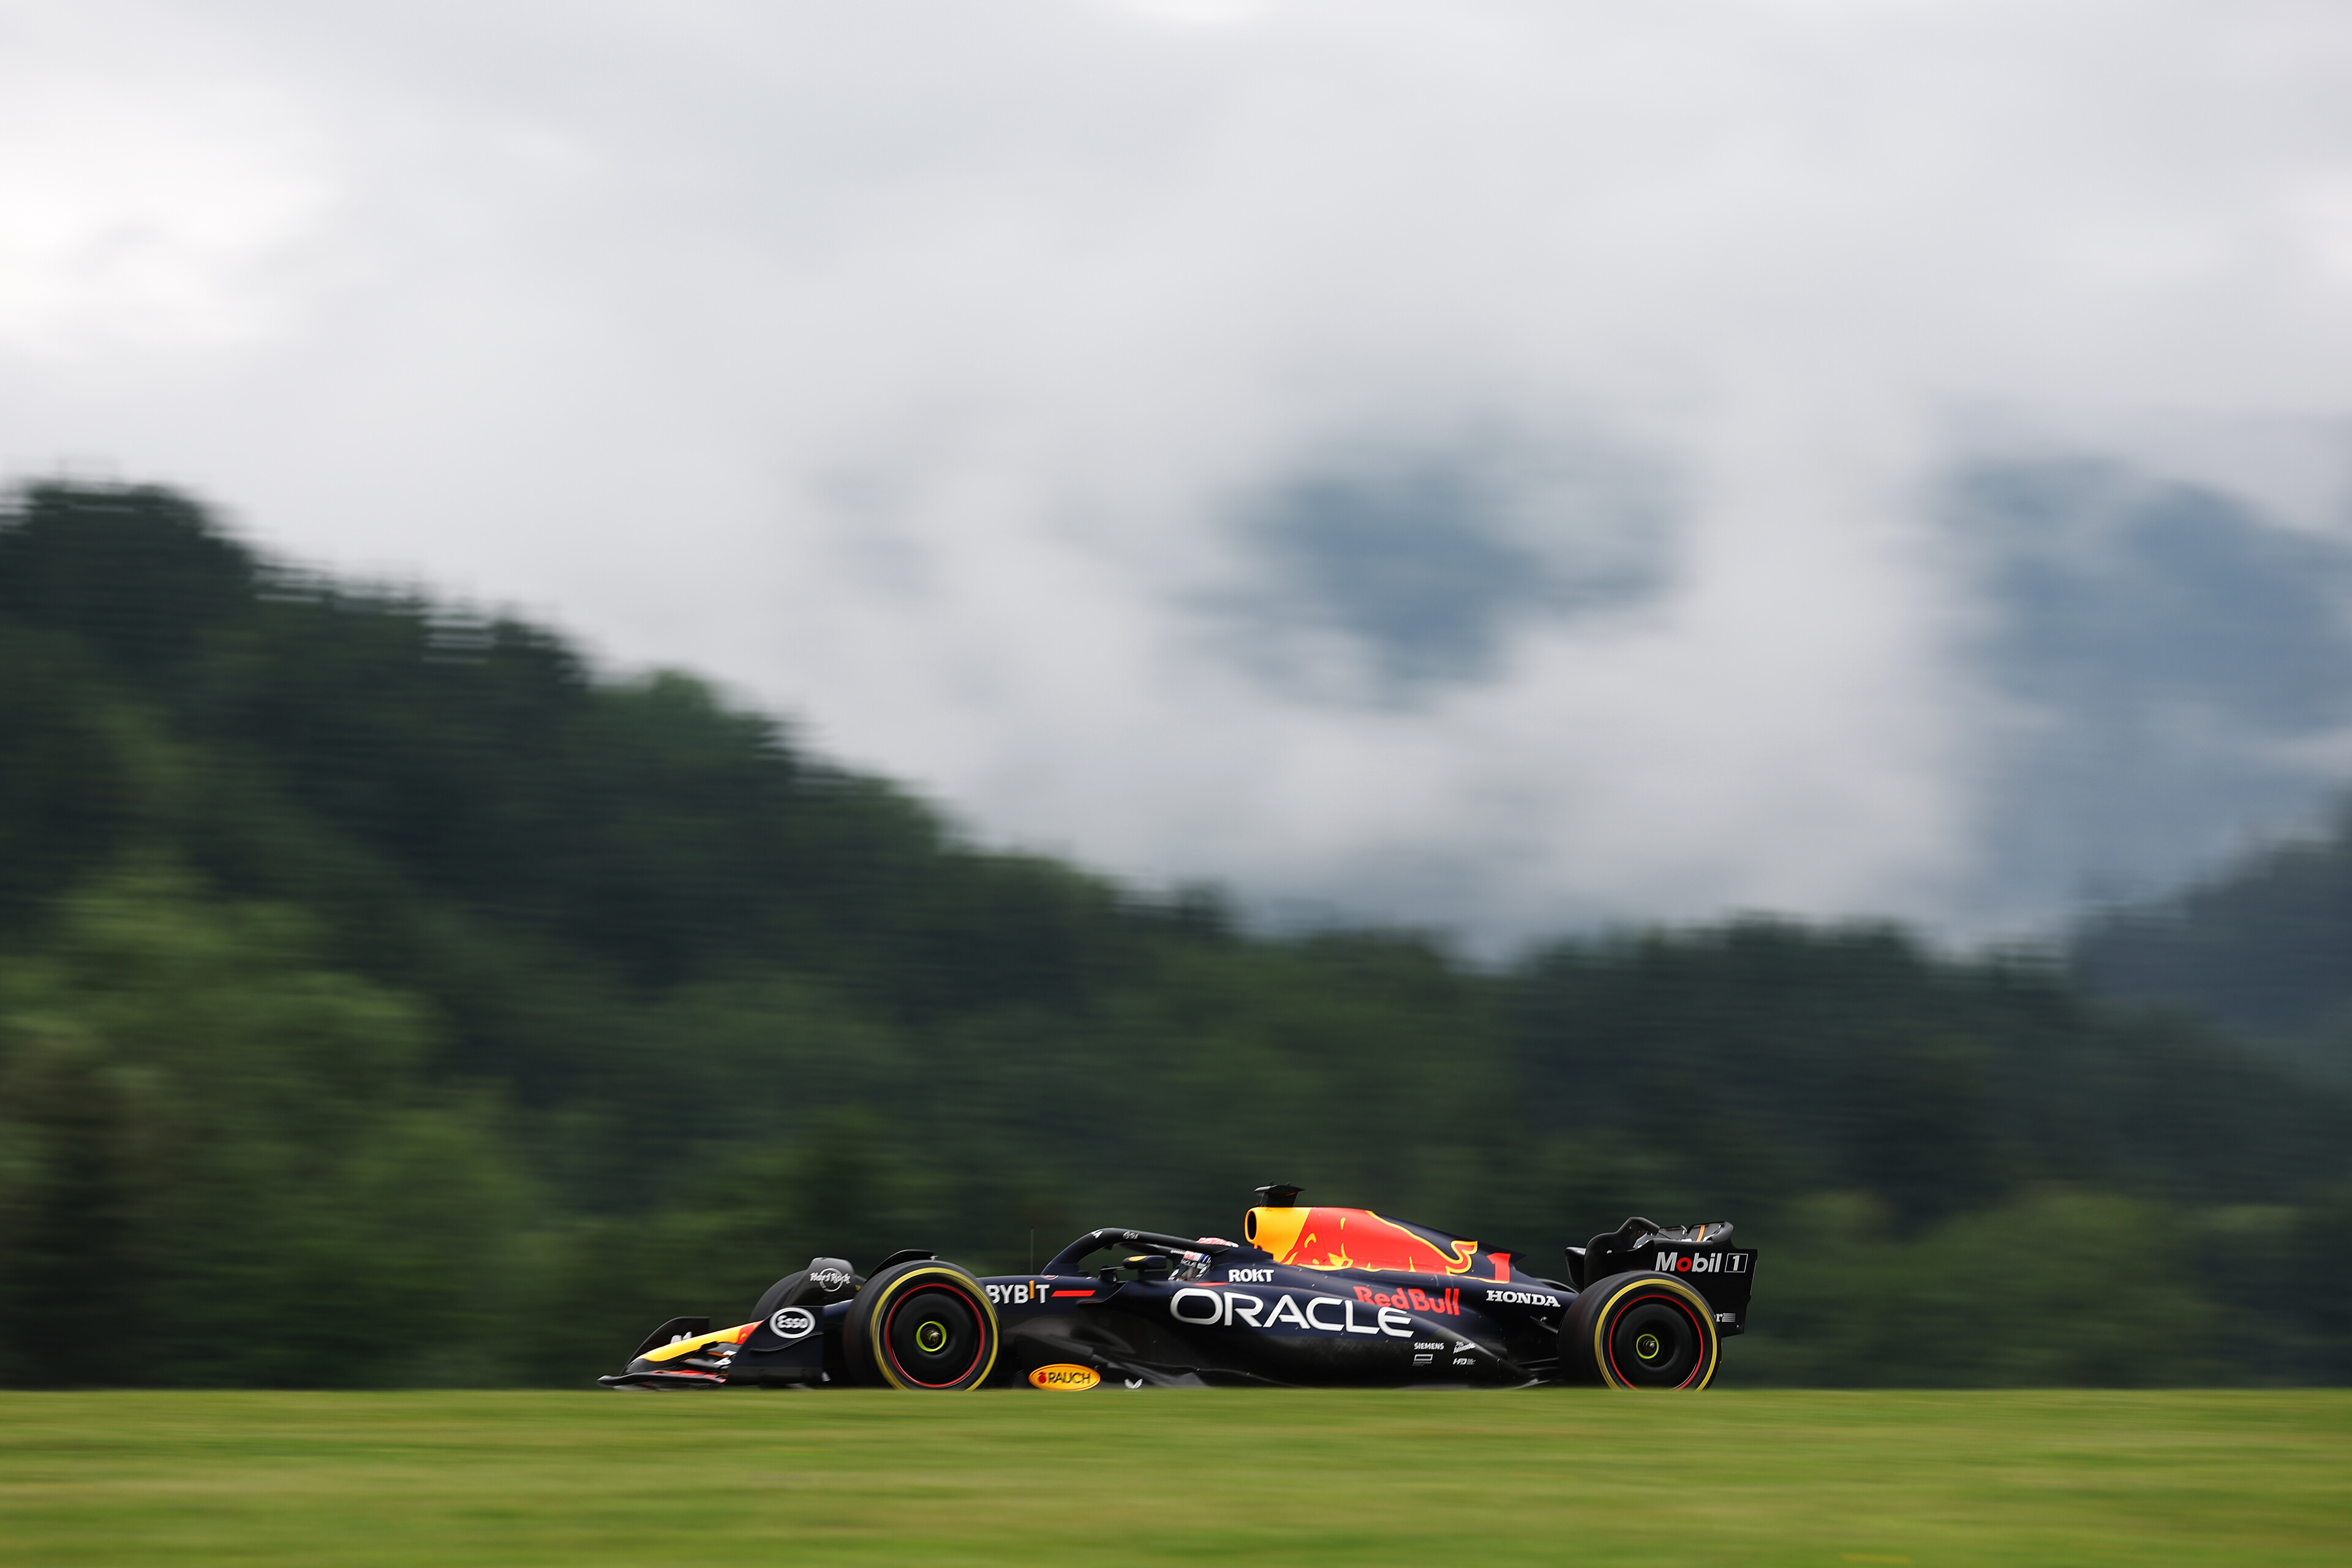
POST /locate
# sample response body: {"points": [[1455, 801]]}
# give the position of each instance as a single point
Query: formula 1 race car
{"points": [[1311, 1296]]}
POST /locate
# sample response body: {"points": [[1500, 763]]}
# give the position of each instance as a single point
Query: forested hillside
{"points": [[2264, 947], [388, 996]]}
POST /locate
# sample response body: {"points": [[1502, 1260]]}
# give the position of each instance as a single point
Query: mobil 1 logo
{"points": [[1706, 1260]]}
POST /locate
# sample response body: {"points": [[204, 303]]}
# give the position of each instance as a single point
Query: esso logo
{"points": [[793, 1322]]}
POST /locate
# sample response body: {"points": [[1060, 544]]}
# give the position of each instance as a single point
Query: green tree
{"points": [[212, 1138]]}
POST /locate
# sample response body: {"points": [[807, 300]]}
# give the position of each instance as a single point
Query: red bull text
{"points": [[1437, 1303]]}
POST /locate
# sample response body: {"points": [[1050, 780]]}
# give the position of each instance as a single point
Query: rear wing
{"points": [[1701, 1254]]}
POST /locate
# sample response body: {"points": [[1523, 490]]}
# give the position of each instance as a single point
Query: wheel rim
{"points": [[933, 1337], [1656, 1340]]}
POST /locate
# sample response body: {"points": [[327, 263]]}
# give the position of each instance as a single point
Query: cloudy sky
{"points": [[1500, 466]]}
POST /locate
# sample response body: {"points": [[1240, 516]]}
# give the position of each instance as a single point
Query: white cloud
{"points": [[911, 364], [145, 207]]}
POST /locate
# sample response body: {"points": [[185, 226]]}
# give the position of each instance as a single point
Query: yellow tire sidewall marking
{"points": [[882, 1315], [1714, 1342]]}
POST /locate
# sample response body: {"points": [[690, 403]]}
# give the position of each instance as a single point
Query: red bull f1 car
{"points": [[1309, 1297]]}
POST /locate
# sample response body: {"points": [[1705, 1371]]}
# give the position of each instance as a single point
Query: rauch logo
{"points": [[1065, 1377]]}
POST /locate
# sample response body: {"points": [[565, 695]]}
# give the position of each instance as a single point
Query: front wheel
{"points": [[1640, 1331], [921, 1325]]}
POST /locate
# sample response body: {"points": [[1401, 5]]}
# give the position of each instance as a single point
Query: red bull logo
{"points": [[1359, 1239], [1441, 1303]]}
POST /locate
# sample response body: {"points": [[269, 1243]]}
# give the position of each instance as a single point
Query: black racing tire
{"points": [[923, 1325], [1640, 1331]]}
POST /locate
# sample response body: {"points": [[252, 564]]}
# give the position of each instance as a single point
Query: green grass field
{"points": [[1175, 1477]]}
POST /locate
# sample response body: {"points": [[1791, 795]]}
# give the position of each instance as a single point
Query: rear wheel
{"points": [[1640, 1332], [921, 1325]]}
